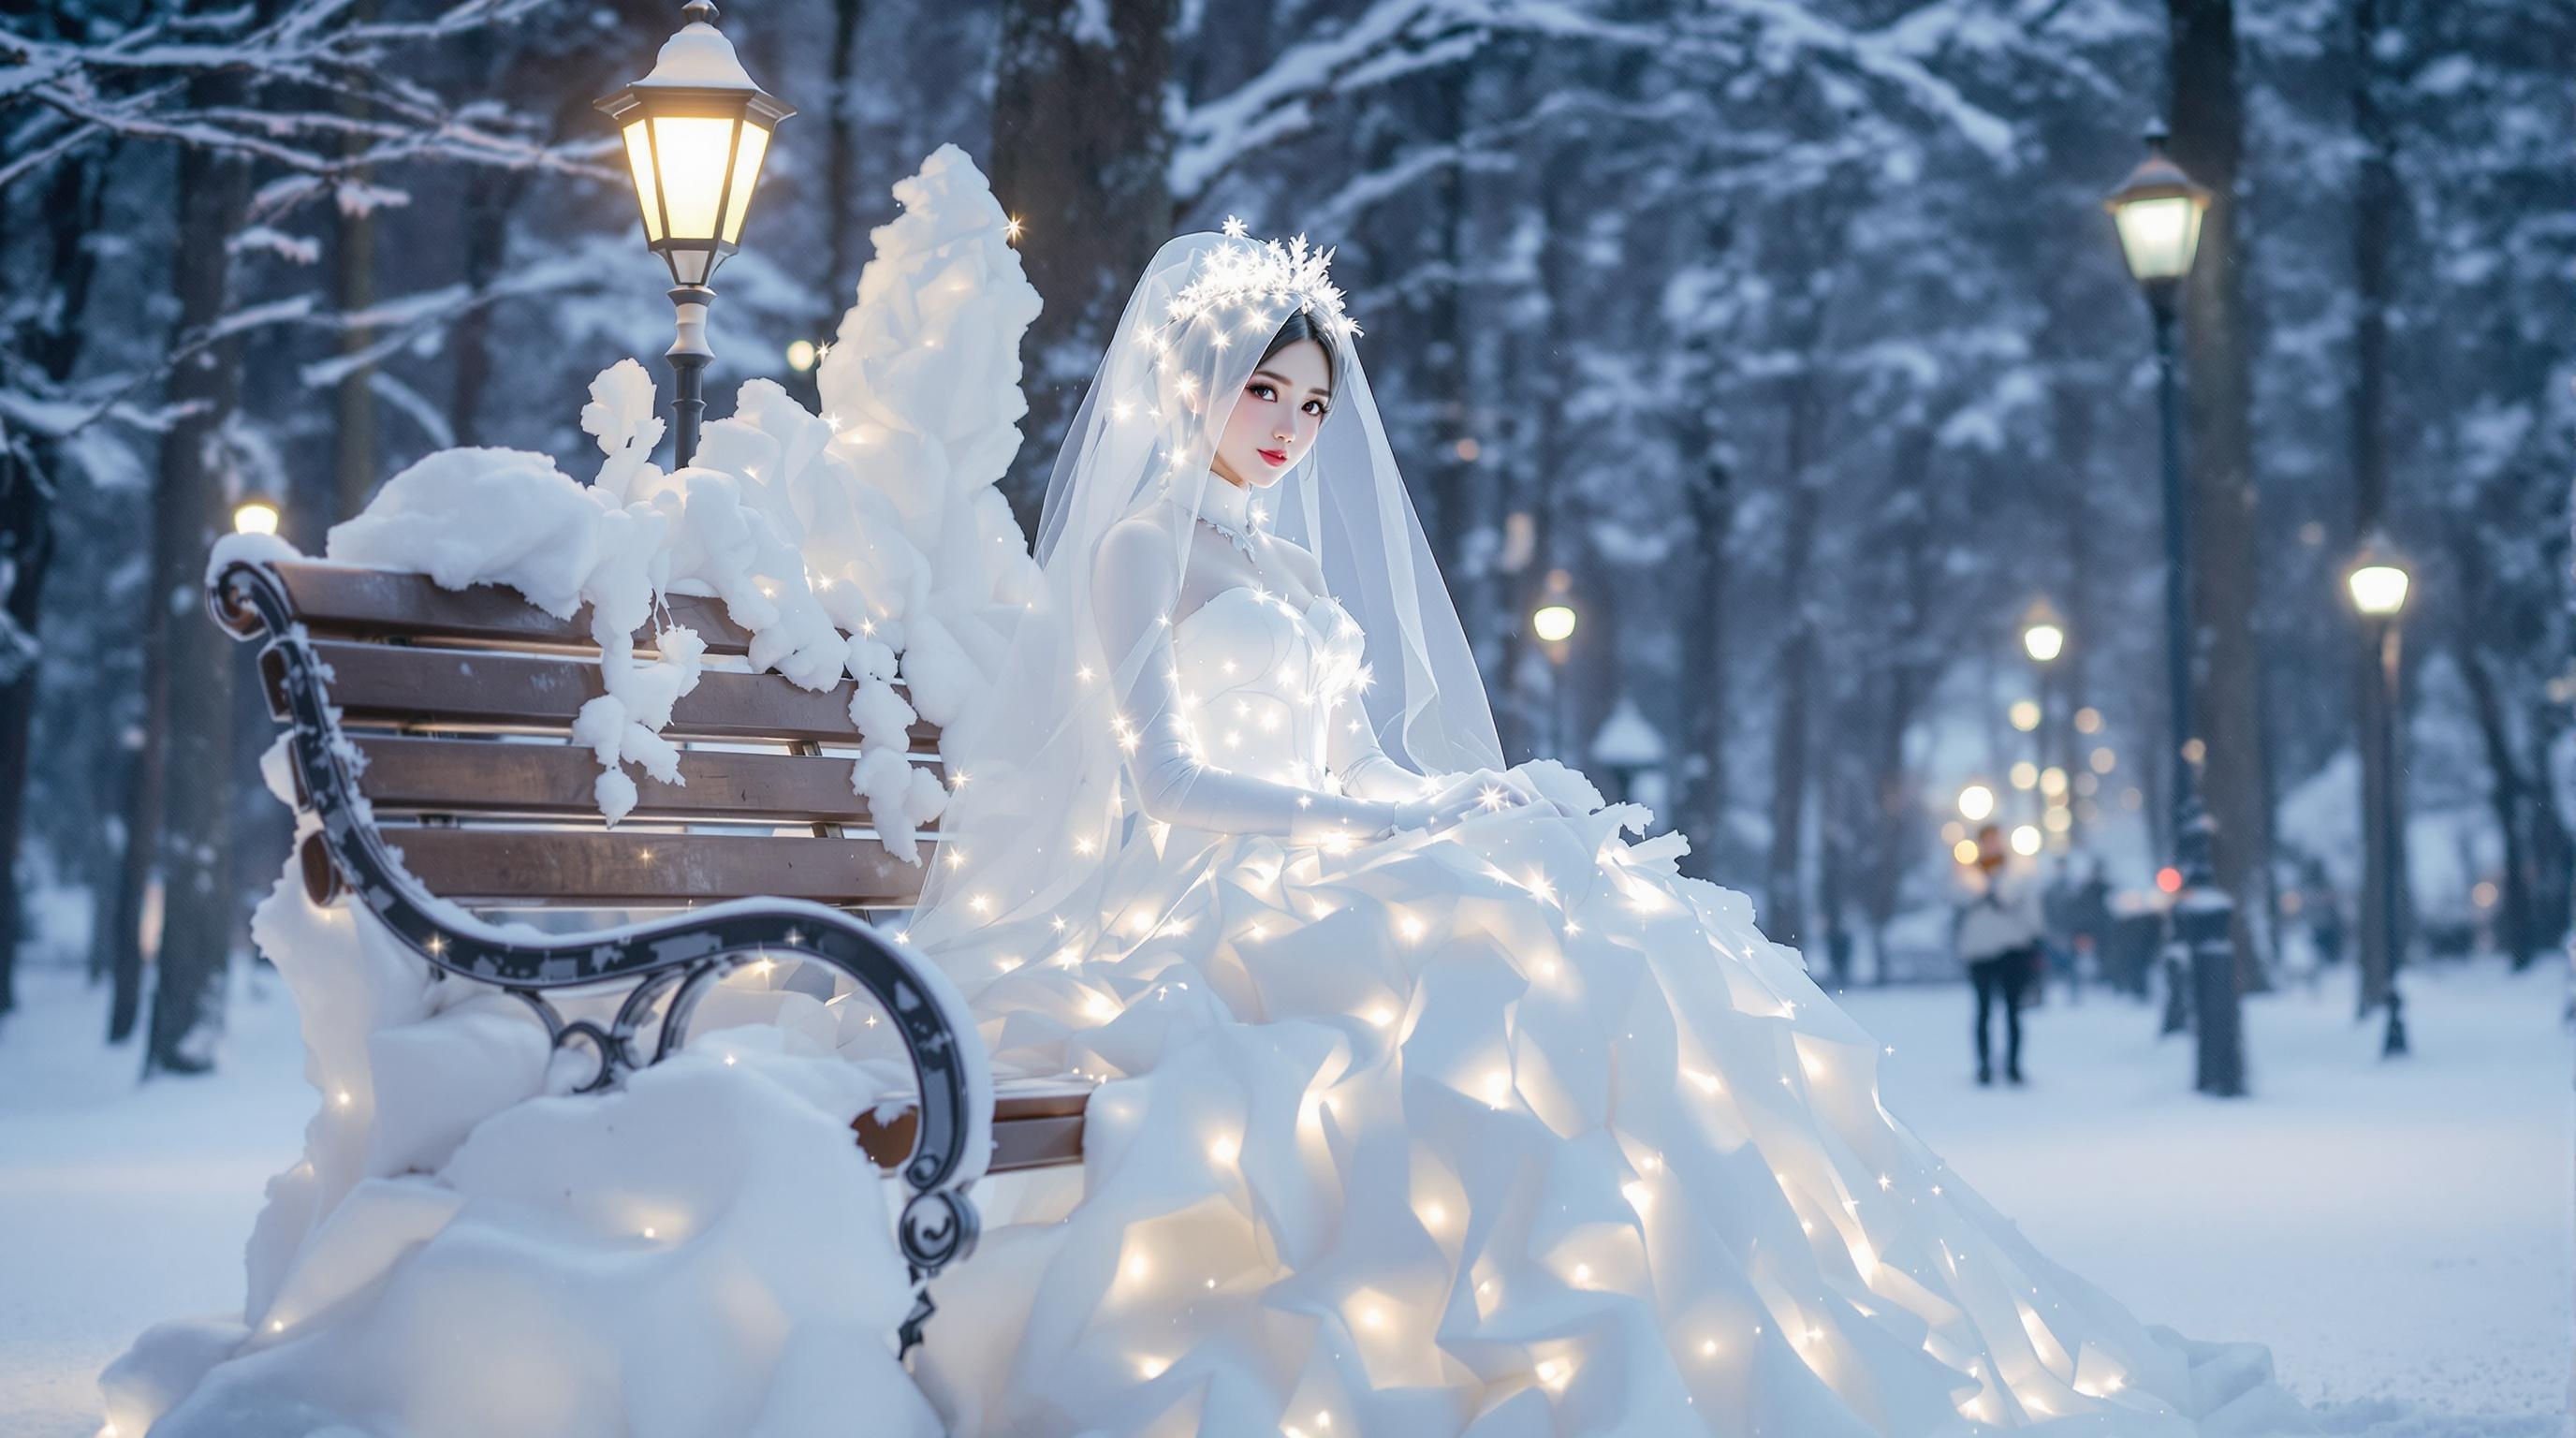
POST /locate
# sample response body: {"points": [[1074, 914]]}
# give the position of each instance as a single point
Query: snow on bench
{"points": [[432, 736]]}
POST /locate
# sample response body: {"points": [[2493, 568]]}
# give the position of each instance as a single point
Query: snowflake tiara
{"points": [[1242, 273]]}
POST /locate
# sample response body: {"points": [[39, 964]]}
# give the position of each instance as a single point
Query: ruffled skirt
{"points": [[1511, 1130]]}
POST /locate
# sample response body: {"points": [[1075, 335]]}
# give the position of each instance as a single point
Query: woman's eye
{"points": [[1261, 391], [1315, 407]]}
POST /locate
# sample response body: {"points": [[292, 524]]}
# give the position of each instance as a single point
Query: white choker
{"points": [[1232, 512]]}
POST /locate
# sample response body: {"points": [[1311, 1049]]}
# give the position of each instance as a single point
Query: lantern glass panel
{"points": [[2159, 235], [695, 152], [2378, 590], [648, 192], [754, 147]]}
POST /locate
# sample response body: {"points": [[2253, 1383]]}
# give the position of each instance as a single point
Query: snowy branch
{"points": [[136, 86], [1397, 38]]}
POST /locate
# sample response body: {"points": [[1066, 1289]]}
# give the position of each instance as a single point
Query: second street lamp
{"points": [[696, 130], [2043, 638], [1553, 621], [2158, 211], [2378, 583]]}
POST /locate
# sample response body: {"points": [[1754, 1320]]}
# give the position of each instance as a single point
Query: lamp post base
{"points": [[2204, 918], [2392, 1044]]}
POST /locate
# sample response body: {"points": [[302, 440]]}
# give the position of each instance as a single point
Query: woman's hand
{"points": [[1455, 798], [1518, 789]]}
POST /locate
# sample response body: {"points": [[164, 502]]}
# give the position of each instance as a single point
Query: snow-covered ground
{"points": [[2398, 1232]]}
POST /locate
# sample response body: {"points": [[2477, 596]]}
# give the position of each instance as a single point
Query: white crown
{"points": [[1243, 273]]}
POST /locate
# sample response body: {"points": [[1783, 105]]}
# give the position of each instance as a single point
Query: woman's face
{"points": [[1275, 419]]}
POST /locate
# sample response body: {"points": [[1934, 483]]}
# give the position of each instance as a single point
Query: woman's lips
{"points": [[1273, 457]]}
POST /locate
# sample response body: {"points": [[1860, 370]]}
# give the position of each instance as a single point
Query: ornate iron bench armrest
{"points": [[676, 958]]}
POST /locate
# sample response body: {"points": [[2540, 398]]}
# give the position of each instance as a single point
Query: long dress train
{"points": [[1512, 1129]]}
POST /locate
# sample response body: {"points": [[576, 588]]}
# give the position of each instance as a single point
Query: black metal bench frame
{"points": [[675, 958]]}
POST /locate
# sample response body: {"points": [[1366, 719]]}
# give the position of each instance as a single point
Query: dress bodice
{"points": [[1262, 682]]}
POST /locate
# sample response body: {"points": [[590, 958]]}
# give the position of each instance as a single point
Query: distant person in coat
{"points": [[1997, 934]]}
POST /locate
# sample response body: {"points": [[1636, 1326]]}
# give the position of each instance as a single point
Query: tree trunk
{"points": [[2518, 803], [841, 166], [1453, 467], [193, 854], [144, 772], [2375, 194], [1701, 771], [353, 290], [1082, 156], [2208, 142], [353, 400], [1895, 824], [72, 208], [27, 548], [489, 198], [1784, 915]]}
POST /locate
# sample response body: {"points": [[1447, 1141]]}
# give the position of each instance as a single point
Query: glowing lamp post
{"points": [[255, 513], [2043, 638], [2158, 211], [2378, 582], [696, 130], [1552, 622], [2043, 633]]}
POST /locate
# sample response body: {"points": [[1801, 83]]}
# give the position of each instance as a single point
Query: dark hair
{"points": [[1300, 326]]}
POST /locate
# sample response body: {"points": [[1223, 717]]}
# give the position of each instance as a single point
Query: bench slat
{"points": [[388, 684], [335, 599], [482, 776], [623, 868], [1029, 1131]]}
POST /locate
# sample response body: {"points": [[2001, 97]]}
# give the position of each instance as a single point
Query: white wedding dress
{"points": [[1499, 1128], [1511, 1129]]}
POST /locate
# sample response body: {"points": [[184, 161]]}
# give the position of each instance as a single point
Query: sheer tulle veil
{"points": [[1038, 812]]}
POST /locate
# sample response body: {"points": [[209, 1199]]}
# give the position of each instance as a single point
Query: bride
{"points": [[1429, 1103]]}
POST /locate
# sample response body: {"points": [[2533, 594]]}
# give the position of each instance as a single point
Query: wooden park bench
{"points": [[430, 739]]}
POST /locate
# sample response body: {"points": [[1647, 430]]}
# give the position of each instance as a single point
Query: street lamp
{"points": [[2158, 211], [2043, 633], [2378, 582], [1552, 620], [696, 130], [255, 513], [2043, 638]]}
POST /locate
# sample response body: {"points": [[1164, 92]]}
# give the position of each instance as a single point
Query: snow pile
{"points": [[467, 1246], [466, 1249], [868, 542]]}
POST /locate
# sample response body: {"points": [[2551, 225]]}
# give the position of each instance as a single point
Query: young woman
{"points": [[1431, 1104]]}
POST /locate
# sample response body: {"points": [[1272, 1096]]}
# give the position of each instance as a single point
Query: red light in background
{"points": [[2169, 879]]}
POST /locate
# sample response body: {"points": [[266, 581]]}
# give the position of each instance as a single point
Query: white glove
{"points": [[1457, 797]]}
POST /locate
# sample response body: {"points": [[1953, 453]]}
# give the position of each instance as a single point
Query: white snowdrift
{"points": [[466, 1247], [877, 520]]}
